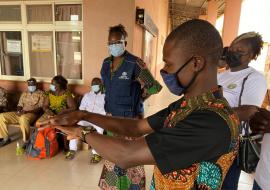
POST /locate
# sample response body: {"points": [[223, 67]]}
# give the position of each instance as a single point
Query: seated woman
{"points": [[58, 100]]}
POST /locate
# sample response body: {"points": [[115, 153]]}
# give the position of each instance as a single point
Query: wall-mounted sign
{"points": [[41, 43], [145, 20], [14, 46], [74, 17], [77, 57]]}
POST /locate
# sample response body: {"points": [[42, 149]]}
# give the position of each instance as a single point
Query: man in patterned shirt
{"points": [[193, 141], [28, 109]]}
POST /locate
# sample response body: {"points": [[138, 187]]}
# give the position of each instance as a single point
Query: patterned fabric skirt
{"points": [[115, 178]]}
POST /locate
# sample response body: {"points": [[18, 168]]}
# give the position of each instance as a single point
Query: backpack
{"points": [[42, 144]]}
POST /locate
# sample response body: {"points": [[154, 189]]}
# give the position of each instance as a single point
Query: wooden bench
{"points": [[13, 100]]}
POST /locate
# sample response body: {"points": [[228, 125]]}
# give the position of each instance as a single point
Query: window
{"points": [[35, 14], [10, 13], [69, 54], [11, 57], [41, 39], [41, 54], [68, 12]]}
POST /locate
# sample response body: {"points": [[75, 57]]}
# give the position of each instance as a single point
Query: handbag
{"points": [[249, 150], [249, 145]]}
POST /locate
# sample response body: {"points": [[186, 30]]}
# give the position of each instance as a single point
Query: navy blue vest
{"points": [[122, 92]]}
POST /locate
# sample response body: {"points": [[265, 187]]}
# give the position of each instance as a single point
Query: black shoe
{"points": [[5, 142]]}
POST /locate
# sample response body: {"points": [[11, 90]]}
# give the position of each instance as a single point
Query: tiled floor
{"points": [[19, 173]]}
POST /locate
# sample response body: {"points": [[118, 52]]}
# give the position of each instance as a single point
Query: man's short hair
{"points": [[198, 37], [32, 80], [97, 79]]}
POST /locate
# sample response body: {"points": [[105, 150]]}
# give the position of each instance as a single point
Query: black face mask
{"points": [[224, 53], [233, 59]]}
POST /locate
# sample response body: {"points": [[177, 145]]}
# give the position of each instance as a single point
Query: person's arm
{"points": [[197, 139], [121, 126], [245, 112], [20, 105], [46, 106], [35, 111], [71, 105], [124, 153], [260, 122], [252, 97]]}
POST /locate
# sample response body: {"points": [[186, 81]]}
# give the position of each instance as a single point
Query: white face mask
{"points": [[53, 87], [95, 88], [117, 50], [32, 88]]}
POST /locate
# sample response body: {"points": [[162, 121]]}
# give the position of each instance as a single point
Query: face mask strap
{"points": [[186, 63], [192, 80], [176, 73]]}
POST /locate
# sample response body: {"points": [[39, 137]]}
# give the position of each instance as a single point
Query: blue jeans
{"points": [[232, 177], [256, 186]]}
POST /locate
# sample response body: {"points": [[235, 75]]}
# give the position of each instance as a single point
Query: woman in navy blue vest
{"points": [[127, 83]]}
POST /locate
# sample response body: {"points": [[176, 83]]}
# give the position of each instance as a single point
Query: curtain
{"points": [[69, 54], [11, 63], [10, 13], [41, 59], [35, 13], [64, 12]]}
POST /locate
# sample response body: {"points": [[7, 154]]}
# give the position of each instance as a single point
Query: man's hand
{"points": [[72, 132], [20, 112], [245, 112], [69, 119], [260, 122]]}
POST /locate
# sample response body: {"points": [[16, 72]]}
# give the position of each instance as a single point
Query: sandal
{"points": [[70, 154], [95, 159]]}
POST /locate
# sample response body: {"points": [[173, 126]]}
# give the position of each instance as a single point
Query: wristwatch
{"points": [[85, 131]]}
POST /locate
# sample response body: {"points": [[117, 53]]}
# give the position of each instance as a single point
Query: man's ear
{"points": [[126, 43], [199, 63]]}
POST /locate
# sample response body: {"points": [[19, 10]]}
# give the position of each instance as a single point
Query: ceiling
{"points": [[184, 10]]}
